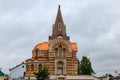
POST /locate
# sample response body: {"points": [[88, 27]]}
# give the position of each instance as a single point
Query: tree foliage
{"points": [[28, 78], [84, 66], [43, 74]]}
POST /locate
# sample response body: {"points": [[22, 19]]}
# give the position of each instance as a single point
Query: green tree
{"points": [[28, 78], [84, 66], [43, 74]]}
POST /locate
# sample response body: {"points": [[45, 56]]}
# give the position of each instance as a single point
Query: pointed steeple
{"points": [[59, 29], [59, 17]]}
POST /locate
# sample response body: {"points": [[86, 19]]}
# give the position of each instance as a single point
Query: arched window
{"points": [[59, 27], [64, 52], [60, 67], [32, 67], [56, 52], [60, 50], [36, 53], [27, 68], [39, 66]]}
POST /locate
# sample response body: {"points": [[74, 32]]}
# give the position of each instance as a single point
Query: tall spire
{"points": [[59, 17], [59, 29]]}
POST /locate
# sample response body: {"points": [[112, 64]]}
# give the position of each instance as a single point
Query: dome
{"points": [[74, 46], [42, 46]]}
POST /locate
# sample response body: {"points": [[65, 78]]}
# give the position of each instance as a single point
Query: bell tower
{"points": [[59, 28]]}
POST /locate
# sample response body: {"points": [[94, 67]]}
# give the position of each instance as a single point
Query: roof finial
{"points": [[58, 7]]}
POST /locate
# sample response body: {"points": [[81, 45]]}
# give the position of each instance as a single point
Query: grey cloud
{"points": [[93, 24]]}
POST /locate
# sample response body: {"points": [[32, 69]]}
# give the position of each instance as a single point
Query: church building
{"points": [[58, 55]]}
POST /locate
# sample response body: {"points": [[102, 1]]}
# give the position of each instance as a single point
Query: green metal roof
{"points": [[1, 73]]}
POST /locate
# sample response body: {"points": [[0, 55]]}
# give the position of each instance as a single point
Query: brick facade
{"points": [[58, 54]]}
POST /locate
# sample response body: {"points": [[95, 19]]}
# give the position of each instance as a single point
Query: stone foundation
{"points": [[69, 77]]}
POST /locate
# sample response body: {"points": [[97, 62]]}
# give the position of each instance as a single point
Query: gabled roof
{"points": [[1, 73], [16, 66]]}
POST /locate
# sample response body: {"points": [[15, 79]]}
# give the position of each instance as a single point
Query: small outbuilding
{"points": [[17, 72]]}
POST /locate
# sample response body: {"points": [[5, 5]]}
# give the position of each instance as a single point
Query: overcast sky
{"points": [[93, 24]]}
